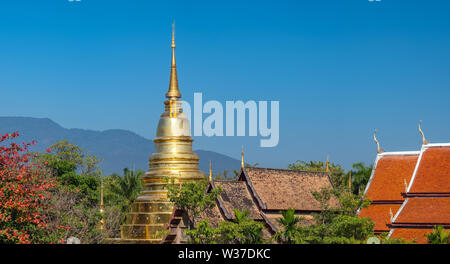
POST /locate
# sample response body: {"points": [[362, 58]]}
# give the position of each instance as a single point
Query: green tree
{"points": [[242, 230], [438, 236], [360, 176], [191, 197], [337, 173], [337, 223], [289, 224], [121, 191], [75, 200]]}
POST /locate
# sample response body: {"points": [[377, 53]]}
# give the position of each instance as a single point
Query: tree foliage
{"points": [[438, 236], [24, 194], [192, 197]]}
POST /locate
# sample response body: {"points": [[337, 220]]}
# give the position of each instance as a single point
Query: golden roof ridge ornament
{"points": [[173, 93], [210, 172], [379, 149], [242, 157], [424, 140]]}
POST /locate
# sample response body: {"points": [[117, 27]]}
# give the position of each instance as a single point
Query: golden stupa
{"points": [[173, 158]]}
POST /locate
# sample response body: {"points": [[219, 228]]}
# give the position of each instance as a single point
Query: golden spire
{"points": [[327, 168], [424, 140], [350, 180], [210, 172], [173, 92], [102, 206], [379, 149], [242, 157]]}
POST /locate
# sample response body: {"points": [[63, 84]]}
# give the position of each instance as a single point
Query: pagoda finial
{"points": [[102, 206], [327, 166], [350, 180], [210, 172], [424, 140], [379, 149], [242, 157], [174, 92]]}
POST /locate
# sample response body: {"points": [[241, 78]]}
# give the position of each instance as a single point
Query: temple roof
{"points": [[411, 234], [380, 214], [432, 175], [277, 189], [423, 211], [235, 195], [391, 171]]}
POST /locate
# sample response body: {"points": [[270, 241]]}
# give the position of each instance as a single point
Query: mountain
{"points": [[118, 148]]}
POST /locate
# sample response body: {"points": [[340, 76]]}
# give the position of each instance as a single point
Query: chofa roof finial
{"points": [[242, 157], [424, 140], [210, 172], [379, 149]]}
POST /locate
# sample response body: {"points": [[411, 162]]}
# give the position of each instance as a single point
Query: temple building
{"points": [[427, 202], [410, 191], [391, 174], [173, 159], [264, 193]]}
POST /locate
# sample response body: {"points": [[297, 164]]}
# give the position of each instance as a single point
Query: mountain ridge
{"points": [[119, 148]]}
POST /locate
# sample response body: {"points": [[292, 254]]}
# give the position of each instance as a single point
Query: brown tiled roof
{"points": [[380, 215], [389, 176], [433, 173], [424, 211], [213, 214], [235, 195], [282, 189], [409, 234]]}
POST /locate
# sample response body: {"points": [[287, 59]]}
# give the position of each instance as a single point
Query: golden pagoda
{"points": [[173, 159]]}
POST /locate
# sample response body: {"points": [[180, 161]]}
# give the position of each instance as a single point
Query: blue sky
{"points": [[338, 68]]}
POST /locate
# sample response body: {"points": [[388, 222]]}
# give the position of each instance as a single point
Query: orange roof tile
{"points": [[380, 214], [391, 171], [424, 210], [433, 173], [409, 234]]}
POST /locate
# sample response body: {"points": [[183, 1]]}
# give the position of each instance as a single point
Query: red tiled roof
{"points": [[409, 234], [433, 173], [283, 189], [380, 214], [391, 171], [424, 210]]}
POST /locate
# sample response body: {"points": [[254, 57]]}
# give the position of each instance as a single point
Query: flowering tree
{"points": [[24, 193]]}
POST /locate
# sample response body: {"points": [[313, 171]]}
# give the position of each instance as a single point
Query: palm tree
{"points": [[289, 224], [127, 187], [438, 236]]}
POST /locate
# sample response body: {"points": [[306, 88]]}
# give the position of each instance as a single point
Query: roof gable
{"points": [[390, 172], [432, 173]]}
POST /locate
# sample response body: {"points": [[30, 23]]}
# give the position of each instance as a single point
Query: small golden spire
{"points": [[327, 167], [102, 206], [424, 140], [210, 172], [379, 149], [350, 180], [242, 157], [173, 93]]}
